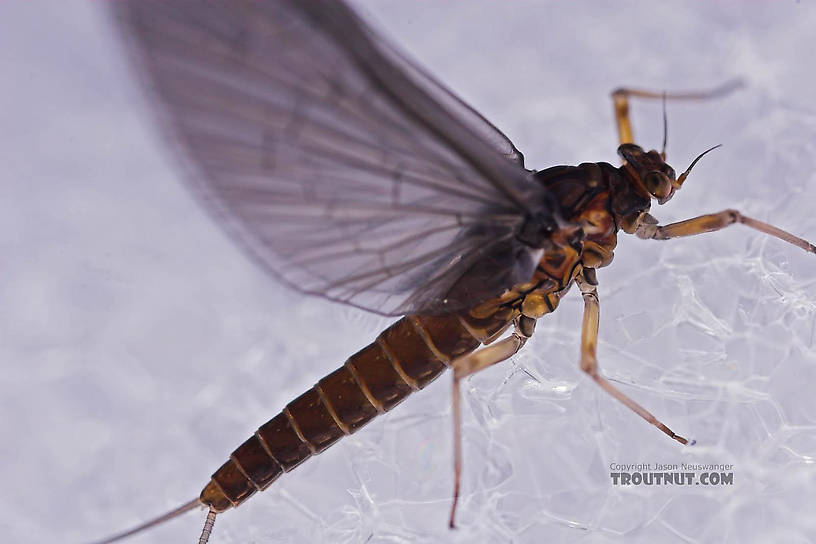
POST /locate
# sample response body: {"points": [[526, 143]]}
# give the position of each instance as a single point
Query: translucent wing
{"points": [[341, 167], [475, 121]]}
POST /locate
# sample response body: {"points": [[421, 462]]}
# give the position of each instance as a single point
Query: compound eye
{"points": [[655, 156], [669, 171], [659, 186], [630, 152]]}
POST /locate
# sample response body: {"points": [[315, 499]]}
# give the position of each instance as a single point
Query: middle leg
{"points": [[589, 341]]}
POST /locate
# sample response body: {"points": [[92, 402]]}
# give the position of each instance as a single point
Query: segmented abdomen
{"points": [[405, 357]]}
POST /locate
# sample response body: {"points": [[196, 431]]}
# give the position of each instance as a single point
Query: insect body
{"points": [[404, 358], [348, 172], [417, 349]]}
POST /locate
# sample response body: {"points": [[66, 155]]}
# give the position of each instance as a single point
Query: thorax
{"points": [[596, 196], [599, 198], [602, 200]]}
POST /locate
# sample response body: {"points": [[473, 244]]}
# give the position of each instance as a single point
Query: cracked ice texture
{"points": [[139, 346]]}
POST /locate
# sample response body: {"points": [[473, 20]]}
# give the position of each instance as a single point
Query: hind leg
{"points": [[471, 364]]}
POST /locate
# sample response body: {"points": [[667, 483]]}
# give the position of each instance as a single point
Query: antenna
{"points": [[677, 184], [665, 128]]}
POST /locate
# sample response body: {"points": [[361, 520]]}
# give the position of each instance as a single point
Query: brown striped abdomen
{"points": [[404, 358]]}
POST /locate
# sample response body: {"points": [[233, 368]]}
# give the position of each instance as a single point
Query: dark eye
{"points": [[630, 152], [669, 171], [659, 185]]}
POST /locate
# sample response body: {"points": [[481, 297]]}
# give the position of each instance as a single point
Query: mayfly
{"points": [[348, 172]]}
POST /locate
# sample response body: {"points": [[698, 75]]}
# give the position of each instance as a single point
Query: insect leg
{"points": [[471, 364], [650, 230], [620, 98], [589, 340]]}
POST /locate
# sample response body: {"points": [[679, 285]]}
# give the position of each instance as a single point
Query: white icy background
{"points": [[139, 346]]}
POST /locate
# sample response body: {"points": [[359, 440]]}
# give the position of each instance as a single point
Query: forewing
{"points": [[341, 167], [474, 121]]}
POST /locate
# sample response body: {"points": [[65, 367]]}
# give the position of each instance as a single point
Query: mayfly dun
{"points": [[349, 173]]}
